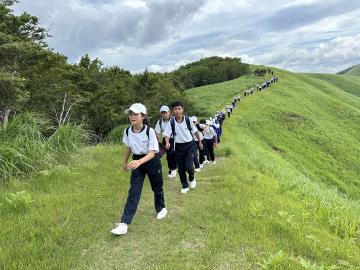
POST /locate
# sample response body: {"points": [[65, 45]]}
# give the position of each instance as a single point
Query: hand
{"points": [[134, 164], [167, 146], [201, 146], [125, 166]]}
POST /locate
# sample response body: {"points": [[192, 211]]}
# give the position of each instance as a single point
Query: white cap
{"points": [[137, 108], [208, 122], [193, 118], [164, 108]]}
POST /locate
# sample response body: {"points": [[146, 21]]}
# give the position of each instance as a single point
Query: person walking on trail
{"points": [[160, 126], [196, 147], [210, 137], [141, 141], [228, 110], [183, 129]]}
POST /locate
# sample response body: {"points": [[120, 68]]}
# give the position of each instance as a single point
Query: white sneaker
{"points": [[184, 190], [121, 229], [201, 166], [214, 162], [193, 184], [172, 174], [162, 213], [197, 170], [206, 162]]}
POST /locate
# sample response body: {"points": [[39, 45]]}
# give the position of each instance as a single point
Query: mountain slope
{"points": [[284, 194], [352, 71]]}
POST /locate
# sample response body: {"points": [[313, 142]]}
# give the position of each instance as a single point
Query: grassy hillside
{"points": [[353, 71], [284, 194]]}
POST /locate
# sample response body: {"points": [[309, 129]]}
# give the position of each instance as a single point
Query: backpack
{"points": [[147, 131], [172, 123]]}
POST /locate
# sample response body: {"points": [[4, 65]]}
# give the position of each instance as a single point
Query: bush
{"points": [[24, 149]]}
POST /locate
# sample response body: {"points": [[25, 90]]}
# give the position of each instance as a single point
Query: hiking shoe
{"points": [[193, 184], [162, 213], [184, 190], [197, 170], [121, 229]]}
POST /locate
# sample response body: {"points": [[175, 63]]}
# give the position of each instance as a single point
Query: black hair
{"points": [[177, 104], [202, 121], [145, 119]]}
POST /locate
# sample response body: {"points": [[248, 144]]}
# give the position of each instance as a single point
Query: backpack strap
{"points": [[147, 131], [160, 121], [187, 120], [172, 123]]}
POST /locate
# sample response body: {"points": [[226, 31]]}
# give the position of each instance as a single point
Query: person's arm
{"points": [[136, 163], [126, 158], [199, 139], [167, 133]]}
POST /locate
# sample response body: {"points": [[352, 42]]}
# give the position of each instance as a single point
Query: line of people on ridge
{"points": [[188, 144]]}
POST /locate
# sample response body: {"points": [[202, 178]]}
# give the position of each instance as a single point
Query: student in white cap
{"points": [[210, 137], [160, 126], [141, 141], [182, 129]]}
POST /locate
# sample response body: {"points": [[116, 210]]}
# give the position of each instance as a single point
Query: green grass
{"points": [[284, 195]]}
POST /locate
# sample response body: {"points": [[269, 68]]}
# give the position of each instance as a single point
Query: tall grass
{"points": [[24, 149]]}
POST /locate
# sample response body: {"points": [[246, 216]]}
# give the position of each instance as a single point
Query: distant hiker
{"points": [[228, 110], [141, 141], [202, 152], [238, 97], [210, 141], [196, 146], [218, 130], [182, 129], [159, 129]]}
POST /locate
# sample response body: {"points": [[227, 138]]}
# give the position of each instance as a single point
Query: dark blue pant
{"points": [[153, 170], [196, 156], [170, 156], [184, 154], [210, 149]]}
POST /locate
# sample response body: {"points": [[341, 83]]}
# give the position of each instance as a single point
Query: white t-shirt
{"points": [[140, 143], [161, 129], [209, 133], [183, 135]]}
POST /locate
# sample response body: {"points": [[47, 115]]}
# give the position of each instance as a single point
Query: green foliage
{"points": [[24, 148], [18, 201], [210, 70]]}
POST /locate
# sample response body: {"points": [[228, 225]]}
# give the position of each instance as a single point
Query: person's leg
{"points": [[211, 151], [196, 156], [189, 160], [172, 160], [154, 172], [180, 161], [202, 154], [136, 184]]}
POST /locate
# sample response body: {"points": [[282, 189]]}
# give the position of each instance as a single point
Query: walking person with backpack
{"points": [[183, 129], [210, 137], [141, 141], [160, 126]]}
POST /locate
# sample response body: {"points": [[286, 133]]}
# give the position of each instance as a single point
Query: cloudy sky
{"points": [[298, 35]]}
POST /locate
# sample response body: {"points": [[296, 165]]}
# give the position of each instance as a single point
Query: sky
{"points": [[161, 35]]}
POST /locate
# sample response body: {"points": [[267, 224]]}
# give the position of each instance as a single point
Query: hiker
{"points": [[159, 129], [202, 152], [182, 129], [141, 141], [228, 110], [218, 130], [210, 141], [238, 97], [196, 147]]}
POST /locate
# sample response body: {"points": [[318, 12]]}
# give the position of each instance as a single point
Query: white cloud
{"points": [[164, 34]]}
